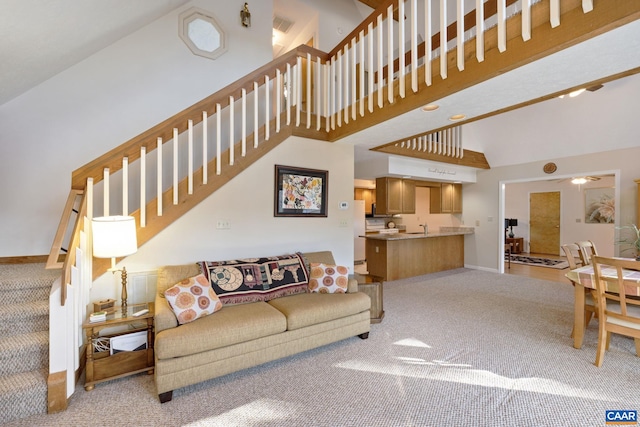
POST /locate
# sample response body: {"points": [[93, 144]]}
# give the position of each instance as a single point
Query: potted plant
{"points": [[633, 241]]}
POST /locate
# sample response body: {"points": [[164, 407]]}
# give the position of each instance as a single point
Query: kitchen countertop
{"points": [[444, 231]]}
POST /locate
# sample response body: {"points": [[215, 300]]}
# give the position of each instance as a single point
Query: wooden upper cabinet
{"points": [[446, 199], [395, 196]]}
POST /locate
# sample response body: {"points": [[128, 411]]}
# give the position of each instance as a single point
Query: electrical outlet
{"points": [[344, 223], [477, 223], [222, 224]]}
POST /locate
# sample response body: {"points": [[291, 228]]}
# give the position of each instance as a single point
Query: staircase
{"points": [[24, 342]]}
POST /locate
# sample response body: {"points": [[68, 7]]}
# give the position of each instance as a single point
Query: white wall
{"points": [[423, 214], [247, 204], [572, 212], [482, 201], [104, 101]]}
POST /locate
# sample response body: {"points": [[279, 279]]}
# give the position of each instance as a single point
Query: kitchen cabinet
{"points": [[366, 194], [395, 196], [446, 199]]}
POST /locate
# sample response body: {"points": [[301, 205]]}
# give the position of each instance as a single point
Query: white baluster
{"points": [[587, 6], [143, 186], [370, 38], [332, 92], [354, 59], [256, 129], [287, 88], [361, 73], [267, 122], [125, 186], [190, 160], [339, 89], [205, 162], [480, 30], [414, 45], [278, 91], [244, 122], [554, 17], [309, 99], [319, 92], [175, 166], [345, 79], [390, 54], [232, 148], [502, 25], [428, 47], [327, 94], [380, 53], [218, 141], [460, 34], [105, 189], [159, 177], [401, 62], [443, 39], [298, 89], [526, 20]]}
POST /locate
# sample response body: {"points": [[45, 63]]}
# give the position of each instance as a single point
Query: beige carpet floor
{"points": [[463, 348]]}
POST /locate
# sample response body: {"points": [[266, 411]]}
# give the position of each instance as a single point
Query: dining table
{"points": [[585, 282]]}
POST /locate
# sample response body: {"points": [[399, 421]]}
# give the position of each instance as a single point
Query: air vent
{"points": [[281, 24]]}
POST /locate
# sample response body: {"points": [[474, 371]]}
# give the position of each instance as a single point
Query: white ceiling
{"points": [[39, 39]]}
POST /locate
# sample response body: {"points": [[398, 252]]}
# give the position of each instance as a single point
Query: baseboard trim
{"points": [[57, 392]]}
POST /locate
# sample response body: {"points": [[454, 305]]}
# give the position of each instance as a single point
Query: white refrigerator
{"points": [[358, 230]]}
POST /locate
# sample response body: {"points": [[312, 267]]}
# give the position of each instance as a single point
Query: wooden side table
{"points": [[517, 244], [103, 366], [374, 290]]}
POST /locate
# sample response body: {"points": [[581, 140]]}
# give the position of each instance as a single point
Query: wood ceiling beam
{"points": [[473, 159]]}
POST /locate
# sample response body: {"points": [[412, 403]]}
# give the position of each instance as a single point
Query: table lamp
{"points": [[512, 222], [115, 236]]}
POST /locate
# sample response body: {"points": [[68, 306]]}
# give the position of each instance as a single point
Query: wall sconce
{"points": [[115, 236], [245, 16]]}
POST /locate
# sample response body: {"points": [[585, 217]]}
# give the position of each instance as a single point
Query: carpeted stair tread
{"points": [[23, 395], [24, 352], [24, 318], [25, 282]]}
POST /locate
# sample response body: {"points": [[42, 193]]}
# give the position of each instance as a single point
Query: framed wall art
{"points": [[599, 205], [300, 192]]}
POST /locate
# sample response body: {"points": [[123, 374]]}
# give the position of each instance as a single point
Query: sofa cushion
{"points": [[310, 309], [328, 278], [231, 325], [192, 298], [257, 279]]}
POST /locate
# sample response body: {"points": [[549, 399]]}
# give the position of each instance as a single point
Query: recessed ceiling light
{"points": [[457, 117], [430, 107]]}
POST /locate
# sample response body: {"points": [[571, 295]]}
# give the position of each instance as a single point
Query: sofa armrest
{"points": [[164, 317], [352, 286]]}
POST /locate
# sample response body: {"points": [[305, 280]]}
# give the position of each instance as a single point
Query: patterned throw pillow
{"points": [[328, 279], [192, 298]]}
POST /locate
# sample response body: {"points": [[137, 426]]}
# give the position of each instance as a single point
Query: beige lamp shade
{"points": [[114, 236]]}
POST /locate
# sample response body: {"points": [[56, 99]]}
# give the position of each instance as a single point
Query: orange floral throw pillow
{"points": [[328, 279], [192, 298]]}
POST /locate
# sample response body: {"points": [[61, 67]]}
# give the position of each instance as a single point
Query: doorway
{"points": [[544, 223]]}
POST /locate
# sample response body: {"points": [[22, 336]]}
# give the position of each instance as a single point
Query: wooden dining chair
{"points": [[587, 251], [572, 252], [617, 313]]}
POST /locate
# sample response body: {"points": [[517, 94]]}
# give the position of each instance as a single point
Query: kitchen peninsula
{"points": [[401, 255]]}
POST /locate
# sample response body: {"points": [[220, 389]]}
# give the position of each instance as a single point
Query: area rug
{"points": [[538, 262]]}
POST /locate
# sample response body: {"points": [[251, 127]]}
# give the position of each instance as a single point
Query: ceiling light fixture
{"points": [[576, 93], [579, 181], [430, 107], [457, 117]]}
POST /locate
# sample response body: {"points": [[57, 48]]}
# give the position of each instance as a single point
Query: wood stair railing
{"points": [[342, 99]]}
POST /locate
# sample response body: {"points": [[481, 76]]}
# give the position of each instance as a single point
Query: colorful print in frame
{"points": [[300, 192]]}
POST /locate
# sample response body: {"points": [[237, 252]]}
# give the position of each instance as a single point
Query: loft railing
{"points": [[375, 69]]}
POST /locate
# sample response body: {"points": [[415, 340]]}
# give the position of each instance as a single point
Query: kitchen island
{"points": [[401, 255]]}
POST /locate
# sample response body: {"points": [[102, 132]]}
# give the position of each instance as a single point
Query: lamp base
{"points": [[511, 235], [124, 290]]}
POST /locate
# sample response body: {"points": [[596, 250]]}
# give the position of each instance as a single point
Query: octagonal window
{"points": [[202, 34]]}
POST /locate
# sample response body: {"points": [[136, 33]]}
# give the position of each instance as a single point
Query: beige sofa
{"points": [[245, 335]]}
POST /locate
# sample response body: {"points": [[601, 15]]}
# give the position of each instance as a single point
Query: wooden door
{"points": [[544, 223]]}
